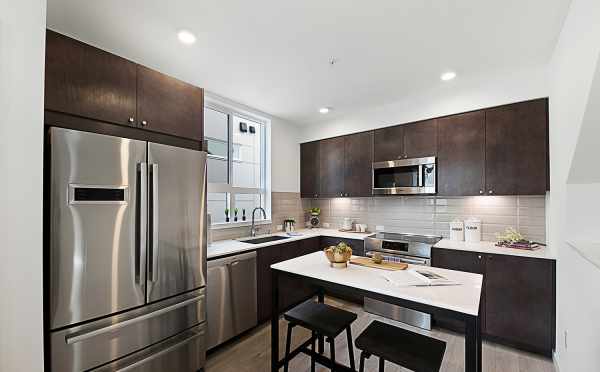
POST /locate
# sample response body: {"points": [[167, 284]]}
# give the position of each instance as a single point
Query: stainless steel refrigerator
{"points": [[127, 270]]}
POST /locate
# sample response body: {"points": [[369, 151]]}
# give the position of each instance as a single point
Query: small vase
{"points": [[235, 219], [226, 219]]}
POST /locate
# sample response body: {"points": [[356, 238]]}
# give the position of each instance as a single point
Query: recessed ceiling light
{"points": [[448, 75], [324, 110], [186, 37]]}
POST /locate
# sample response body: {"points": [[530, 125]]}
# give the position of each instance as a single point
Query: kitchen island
{"points": [[461, 302]]}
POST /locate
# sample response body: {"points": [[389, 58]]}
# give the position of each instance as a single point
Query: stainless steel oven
{"points": [[405, 176], [409, 248]]}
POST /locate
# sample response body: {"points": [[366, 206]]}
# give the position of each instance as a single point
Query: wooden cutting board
{"points": [[390, 266]]}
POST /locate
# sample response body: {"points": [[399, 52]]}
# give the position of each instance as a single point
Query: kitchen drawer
{"points": [[185, 352], [93, 344]]}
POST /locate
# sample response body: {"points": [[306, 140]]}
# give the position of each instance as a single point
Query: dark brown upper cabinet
{"points": [[532, 132], [414, 140], [358, 164], [388, 143], [85, 81], [168, 105], [309, 170], [332, 167], [516, 149], [461, 154], [420, 139], [501, 145]]}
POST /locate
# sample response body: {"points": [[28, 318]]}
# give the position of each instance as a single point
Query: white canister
{"points": [[457, 231], [473, 230]]}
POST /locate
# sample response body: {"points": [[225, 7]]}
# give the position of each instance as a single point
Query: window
{"points": [[237, 166]]}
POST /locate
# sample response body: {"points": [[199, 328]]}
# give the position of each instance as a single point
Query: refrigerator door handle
{"points": [[142, 222], [74, 338], [154, 223]]}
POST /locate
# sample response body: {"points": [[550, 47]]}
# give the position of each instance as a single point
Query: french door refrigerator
{"points": [[127, 259]]}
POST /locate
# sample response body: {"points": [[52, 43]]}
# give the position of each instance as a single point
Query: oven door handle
{"points": [[410, 260]]}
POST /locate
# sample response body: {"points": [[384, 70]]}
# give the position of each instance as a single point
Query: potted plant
{"points": [[314, 217], [338, 255], [226, 214], [243, 214], [235, 213]]}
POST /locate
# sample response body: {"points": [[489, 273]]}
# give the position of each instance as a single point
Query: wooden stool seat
{"points": [[324, 321], [407, 349], [322, 318]]}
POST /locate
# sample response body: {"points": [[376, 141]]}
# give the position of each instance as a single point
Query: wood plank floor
{"points": [[252, 352]]}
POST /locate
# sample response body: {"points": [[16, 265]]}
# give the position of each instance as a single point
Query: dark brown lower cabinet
{"points": [[265, 257], [520, 301], [518, 306], [357, 245], [291, 291], [358, 249]]}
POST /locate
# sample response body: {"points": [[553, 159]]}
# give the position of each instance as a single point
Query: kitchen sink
{"points": [[264, 239]]}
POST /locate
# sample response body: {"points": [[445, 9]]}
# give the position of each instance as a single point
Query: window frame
{"points": [[265, 166]]}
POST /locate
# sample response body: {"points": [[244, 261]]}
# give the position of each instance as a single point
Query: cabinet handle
{"points": [[491, 192], [479, 257], [405, 156], [144, 123], [481, 191], [131, 119]]}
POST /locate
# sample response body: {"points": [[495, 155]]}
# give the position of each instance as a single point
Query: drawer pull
{"points": [[74, 338]]}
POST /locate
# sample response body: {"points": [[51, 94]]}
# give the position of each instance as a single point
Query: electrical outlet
{"points": [[326, 225], [279, 227], [565, 339]]}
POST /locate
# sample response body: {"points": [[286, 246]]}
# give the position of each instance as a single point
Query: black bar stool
{"points": [[322, 320], [407, 349]]}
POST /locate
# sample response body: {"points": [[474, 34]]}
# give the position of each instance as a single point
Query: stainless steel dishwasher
{"points": [[231, 294]]}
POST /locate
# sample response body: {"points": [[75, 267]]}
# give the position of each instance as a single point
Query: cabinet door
{"points": [[471, 262], [388, 143], [461, 154], [532, 134], [309, 169], [85, 81], [169, 106], [358, 164], [520, 301], [501, 150], [308, 246], [357, 245], [331, 167], [450, 259], [265, 257], [420, 139]]}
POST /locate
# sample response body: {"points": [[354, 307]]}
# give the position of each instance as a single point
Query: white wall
{"points": [[22, 41], [572, 71], [460, 95], [284, 152]]}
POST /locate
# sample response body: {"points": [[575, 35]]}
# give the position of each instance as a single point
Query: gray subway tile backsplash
{"points": [[431, 214]]}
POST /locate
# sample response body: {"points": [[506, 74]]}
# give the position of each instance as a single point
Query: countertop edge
{"points": [[543, 253]]}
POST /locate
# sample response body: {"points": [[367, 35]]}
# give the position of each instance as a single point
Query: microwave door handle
{"points": [[421, 182], [154, 215]]}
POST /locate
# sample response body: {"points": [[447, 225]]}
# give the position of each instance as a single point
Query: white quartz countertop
{"points": [[490, 247], [463, 298], [227, 247]]}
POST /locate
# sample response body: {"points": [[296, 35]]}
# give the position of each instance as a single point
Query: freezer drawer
{"points": [[97, 253], [94, 344], [231, 292], [184, 352], [176, 221]]}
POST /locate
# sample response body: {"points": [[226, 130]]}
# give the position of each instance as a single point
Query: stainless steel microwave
{"points": [[405, 176]]}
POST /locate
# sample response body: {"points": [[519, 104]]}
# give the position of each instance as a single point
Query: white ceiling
{"points": [[273, 54]]}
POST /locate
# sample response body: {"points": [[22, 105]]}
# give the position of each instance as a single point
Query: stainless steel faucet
{"points": [[253, 229]]}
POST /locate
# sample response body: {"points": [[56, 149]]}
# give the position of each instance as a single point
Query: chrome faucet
{"points": [[253, 229]]}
